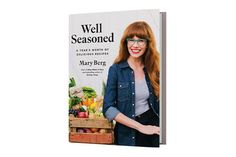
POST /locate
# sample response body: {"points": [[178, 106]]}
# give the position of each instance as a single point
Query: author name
{"points": [[91, 63]]}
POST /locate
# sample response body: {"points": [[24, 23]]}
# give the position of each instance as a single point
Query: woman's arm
{"points": [[110, 92], [145, 129]]}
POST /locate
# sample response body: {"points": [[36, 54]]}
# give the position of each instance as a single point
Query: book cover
{"points": [[107, 105]]}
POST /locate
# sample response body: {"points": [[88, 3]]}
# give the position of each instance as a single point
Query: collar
{"points": [[125, 64]]}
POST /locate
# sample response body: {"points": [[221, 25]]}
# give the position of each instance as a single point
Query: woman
{"points": [[132, 91]]}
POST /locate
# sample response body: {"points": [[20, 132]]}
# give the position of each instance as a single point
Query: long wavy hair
{"points": [[150, 59]]}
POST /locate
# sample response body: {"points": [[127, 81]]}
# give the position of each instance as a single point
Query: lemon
{"points": [[93, 105]]}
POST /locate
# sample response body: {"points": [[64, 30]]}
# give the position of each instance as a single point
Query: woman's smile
{"points": [[135, 51]]}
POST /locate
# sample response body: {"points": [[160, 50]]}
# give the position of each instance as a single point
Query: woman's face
{"points": [[136, 46]]}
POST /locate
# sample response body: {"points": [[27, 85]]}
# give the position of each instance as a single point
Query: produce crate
{"points": [[88, 123]]}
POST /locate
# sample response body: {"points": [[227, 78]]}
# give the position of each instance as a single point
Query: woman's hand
{"points": [[149, 129]]}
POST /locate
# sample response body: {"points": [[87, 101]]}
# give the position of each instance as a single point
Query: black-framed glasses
{"points": [[140, 42]]}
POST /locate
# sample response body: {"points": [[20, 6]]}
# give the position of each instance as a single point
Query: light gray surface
{"points": [[163, 80], [141, 97]]}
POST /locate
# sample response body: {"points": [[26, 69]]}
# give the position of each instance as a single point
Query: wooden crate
{"points": [[100, 138]]}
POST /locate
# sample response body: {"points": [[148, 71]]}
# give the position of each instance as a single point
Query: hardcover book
{"points": [[112, 101]]}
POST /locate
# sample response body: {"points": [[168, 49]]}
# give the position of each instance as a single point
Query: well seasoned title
{"points": [[92, 29]]}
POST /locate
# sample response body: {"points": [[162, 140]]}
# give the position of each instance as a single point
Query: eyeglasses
{"points": [[140, 42]]}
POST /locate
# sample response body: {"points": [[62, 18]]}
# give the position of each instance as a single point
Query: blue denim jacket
{"points": [[118, 94]]}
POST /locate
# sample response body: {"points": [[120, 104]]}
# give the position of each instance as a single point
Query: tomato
{"points": [[82, 115]]}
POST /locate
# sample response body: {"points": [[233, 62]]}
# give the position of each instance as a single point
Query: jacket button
{"points": [[132, 82], [133, 104], [151, 104], [133, 137], [120, 85], [133, 115], [133, 93]]}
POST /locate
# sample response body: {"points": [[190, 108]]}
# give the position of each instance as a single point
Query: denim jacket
{"points": [[118, 94]]}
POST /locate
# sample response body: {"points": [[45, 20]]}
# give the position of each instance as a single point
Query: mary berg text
{"points": [[90, 63]]}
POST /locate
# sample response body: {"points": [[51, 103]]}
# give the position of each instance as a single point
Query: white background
{"points": [[201, 78]]}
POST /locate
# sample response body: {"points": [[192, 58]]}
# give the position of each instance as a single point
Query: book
{"points": [[94, 44]]}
